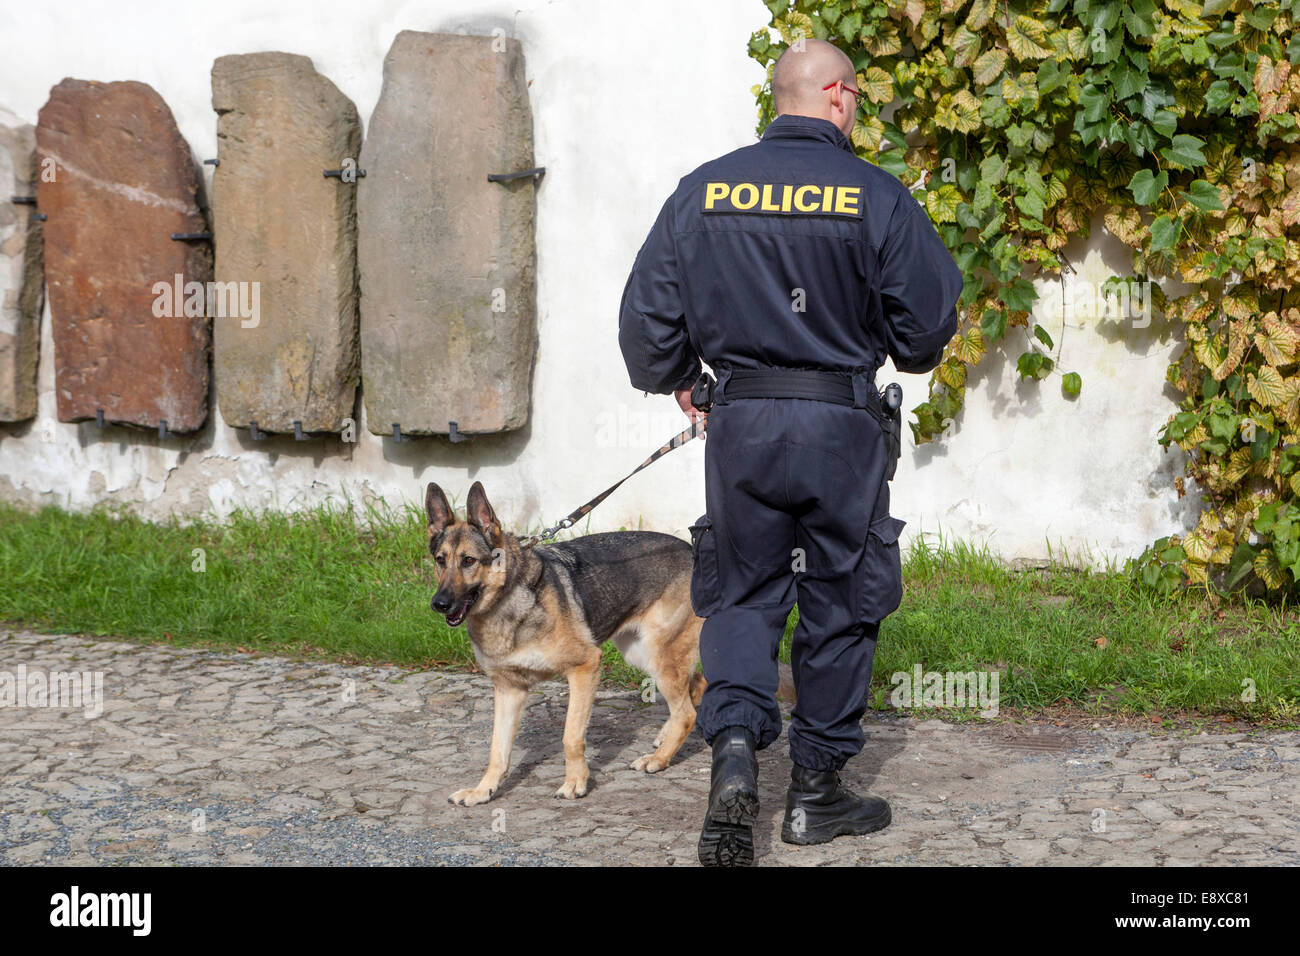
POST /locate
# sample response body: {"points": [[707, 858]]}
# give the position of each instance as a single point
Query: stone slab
{"points": [[124, 182], [21, 275], [447, 261], [281, 224]]}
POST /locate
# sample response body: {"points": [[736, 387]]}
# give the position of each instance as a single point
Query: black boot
{"points": [[727, 838], [818, 809]]}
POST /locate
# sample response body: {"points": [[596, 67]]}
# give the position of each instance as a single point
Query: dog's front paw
{"points": [[572, 790], [470, 797], [650, 763]]}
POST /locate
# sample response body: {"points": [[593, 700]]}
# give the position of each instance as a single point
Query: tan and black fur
{"points": [[535, 613]]}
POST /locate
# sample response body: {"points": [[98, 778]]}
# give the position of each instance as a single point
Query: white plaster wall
{"points": [[627, 97]]}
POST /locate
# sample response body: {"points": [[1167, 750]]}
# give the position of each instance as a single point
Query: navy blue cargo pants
{"points": [[797, 509]]}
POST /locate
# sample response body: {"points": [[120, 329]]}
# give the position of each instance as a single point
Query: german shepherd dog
{"points": [[539, 612]]}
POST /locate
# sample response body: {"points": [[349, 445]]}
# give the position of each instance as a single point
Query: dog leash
{"points": [[697, 428]]}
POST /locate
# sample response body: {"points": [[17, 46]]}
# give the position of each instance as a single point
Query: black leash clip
{"points": [[891, 399], [702, 392]]}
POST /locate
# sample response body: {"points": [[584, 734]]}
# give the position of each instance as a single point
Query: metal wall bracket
{"points": [[99, 417], [254, 434], [338, 173], [28, 201], [297, 431], [184, 236], [537, 172], [163, 433], [397, 433], [454, 435], [212, 162]]}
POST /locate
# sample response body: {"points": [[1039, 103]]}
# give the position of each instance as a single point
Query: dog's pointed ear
{"points": [[480, 512], [437, 509]]}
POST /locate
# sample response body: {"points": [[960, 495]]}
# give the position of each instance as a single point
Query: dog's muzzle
{"points": [[455, 611]]}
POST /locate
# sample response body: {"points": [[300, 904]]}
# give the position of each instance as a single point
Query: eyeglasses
{"points": [[856, 93]]}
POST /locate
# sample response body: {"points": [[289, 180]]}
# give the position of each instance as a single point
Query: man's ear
{"points": [[480, 513], [437, 509]]}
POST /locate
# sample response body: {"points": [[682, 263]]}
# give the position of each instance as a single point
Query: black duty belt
{"points": [[822, 386]]}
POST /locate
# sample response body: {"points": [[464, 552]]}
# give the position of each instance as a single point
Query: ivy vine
{"points": [[1175, 121]]}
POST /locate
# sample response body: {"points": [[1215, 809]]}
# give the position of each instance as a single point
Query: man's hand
{"points": [[683, 396]]}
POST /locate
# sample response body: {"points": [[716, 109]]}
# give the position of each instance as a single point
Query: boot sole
{"points": [[727, 838], [827, 832]]}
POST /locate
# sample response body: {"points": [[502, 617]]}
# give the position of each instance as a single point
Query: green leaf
{"points": [[1220, 96], [1262, 16], [1040, 333], [1164, 122], [1185, 151], [1095, 102], [1071, 384], [1034, 365], [1203, 196], [1146, 187], [993, 169], [891, 161], [993, 324], [1164, 233], [1125, 79], [1139, 17], [1019, 296]]}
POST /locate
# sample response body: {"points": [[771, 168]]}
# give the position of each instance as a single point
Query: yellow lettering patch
{"points": [[783, 199]]}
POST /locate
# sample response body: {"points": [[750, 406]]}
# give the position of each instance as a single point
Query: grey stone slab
{"points": [[130, 337], [22, 279], [281, 224], [447, 261]]}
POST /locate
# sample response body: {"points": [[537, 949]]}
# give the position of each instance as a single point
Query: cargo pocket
{"points": [[881, 589], [706, 593]]}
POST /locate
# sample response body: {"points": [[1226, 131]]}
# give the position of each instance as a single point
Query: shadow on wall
{"points": [[1150, 346]]}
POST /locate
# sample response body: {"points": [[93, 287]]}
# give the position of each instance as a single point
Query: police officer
{"points": [[793, 269]]}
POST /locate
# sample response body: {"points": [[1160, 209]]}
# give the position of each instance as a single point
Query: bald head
{"points": [[801, 75]]}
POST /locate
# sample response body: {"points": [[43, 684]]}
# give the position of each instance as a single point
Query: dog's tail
{"points": [[785, 691]]}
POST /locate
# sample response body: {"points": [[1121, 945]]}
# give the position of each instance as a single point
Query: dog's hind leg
{"points": [[672, 665], [507, 708], [583, 681]]}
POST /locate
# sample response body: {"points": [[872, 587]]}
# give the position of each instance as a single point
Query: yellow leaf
{"points": [[1238, 339], [981, 12], [868, 132], [1196, 547], [1125, 223], [1238, 465], [951, 374], [1267, 387], [970, 347], [877, 84], [793, 26], [1269, 571], [965, 47], [1027, 39], [886, 42], [989, 66], [1277, 343]]}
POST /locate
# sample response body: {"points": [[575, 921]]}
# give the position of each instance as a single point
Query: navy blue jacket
{"points": [[789, 253]]}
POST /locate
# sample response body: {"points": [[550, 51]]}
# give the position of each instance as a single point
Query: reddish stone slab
{"points": [[124, 181]]}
